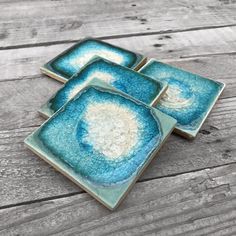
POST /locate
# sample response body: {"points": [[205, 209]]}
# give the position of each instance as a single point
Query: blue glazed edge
{"points": [[188, 131], [50, 107], [116, 98], [113, 197], [48, 69]]}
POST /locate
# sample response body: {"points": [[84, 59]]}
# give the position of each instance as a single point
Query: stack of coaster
{"points": [[113, 114]]}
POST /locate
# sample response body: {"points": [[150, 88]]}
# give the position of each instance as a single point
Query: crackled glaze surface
{"points": [[188, 98], [130, 82], [103, 136], [72, 60], [102, 140]]}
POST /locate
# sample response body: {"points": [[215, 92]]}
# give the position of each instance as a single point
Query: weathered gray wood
{"points": [[23, 90], [20, 99], [25, 62], [196, 35], [198, 203], [25, 177], [184, 44], [30, 22]]}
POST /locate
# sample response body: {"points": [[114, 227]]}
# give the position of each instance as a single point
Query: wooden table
{"points": [[189, 188]]}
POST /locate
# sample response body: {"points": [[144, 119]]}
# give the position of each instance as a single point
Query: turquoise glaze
{"points": [[189, 97], [107, 166], [72, 60], [102, 139], [128, 81]]}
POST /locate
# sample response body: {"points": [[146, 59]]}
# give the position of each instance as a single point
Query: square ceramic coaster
{"points": [[73, 59], [139, 86], [189, 97], [102, 140]]}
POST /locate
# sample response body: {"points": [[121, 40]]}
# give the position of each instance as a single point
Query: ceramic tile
{"points": [[126, 80], [72, 60], [189, 97], [102, 140]]}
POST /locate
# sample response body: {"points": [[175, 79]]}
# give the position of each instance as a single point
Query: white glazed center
{"points": [[173, 99], [112, 129], [104, 53]]}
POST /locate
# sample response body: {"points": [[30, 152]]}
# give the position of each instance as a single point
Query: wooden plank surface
{"points": [[25, 177], [178, 194], [198, 203], [20, 117], [25, 62], [31, 90], [44, 22]]}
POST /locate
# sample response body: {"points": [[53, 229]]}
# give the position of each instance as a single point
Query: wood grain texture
{"points": [[198, 203], [24, 177], [30, 22], [23, 90], [178, 193], [21, 98], [25, 62]]}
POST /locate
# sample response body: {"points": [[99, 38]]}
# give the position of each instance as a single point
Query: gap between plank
{"points": [[208, 54], [37, 126], [37, 76], [77, 193], [115, 37]]}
